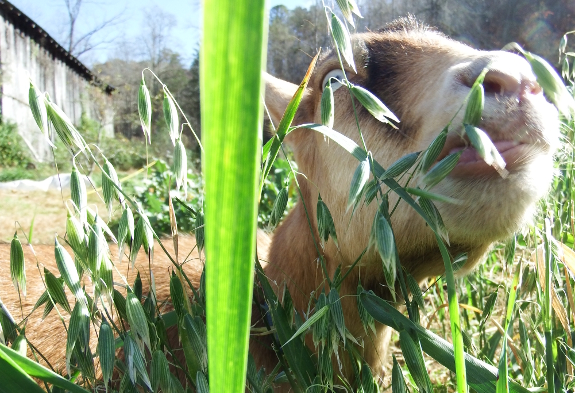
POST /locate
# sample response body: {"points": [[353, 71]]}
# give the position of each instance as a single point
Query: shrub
{"points": [[13, 152]]}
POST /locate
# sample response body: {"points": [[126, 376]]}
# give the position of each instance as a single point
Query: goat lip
{"points": [[470, 164]]}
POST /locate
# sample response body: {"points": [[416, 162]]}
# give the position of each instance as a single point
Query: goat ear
{"points": [[278, 95]]}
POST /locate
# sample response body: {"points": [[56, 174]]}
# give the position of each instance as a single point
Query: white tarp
{"points": [[51, 183]]}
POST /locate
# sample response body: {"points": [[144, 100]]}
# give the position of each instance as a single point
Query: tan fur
{"points": [[424, 78]]}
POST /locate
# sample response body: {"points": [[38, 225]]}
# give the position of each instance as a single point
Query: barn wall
{"points": [[21, 60]]}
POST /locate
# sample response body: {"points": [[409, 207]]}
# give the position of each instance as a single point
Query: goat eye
{"points": [[336, 76]]}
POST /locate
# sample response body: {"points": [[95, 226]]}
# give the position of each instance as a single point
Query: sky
{"points": [[51, 15]]}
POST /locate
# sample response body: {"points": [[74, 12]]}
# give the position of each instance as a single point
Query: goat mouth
{"points": [[471, 164]]}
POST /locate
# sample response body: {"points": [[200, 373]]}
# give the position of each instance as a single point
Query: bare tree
{"points": [[78, 43], [157, 35]]}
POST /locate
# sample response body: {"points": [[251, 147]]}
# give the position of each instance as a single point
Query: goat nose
{"points": [[507, 74], [498, 82]]}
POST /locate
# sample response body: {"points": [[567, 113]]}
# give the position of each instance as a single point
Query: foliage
{"points": [[152, 195], [13, 152]]}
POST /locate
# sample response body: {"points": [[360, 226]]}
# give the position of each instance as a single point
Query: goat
{"points": [[423, 77]]}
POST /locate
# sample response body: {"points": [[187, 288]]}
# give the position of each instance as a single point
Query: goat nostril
{"points": [[492, 87], [497, 82]]}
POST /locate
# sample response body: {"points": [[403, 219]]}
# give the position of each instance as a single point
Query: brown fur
{"points": [[424, 78]]}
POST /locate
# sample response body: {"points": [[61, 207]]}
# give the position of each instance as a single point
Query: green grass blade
{"points": [[503, 382], [284, 126], [482, 377], [548, 316], [231, 85], [455, 321], [309, 322], [296, 352], [16, 371]]}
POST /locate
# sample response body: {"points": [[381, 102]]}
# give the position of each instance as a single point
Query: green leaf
{"points": [[401, 165], [56, 290], [125, 230], [358, 181], [106, 351], [345, 8], [434, 149], [503, 381], [78, 332], [365, 317], [397, 381], [284, 126], [475, 101], [200, 231], [37, 104], [65, 130], [327, 105], [96, 250], [385, 242], [106, 278], [194, 340], [325, 225], [440, 170], [510, 246], [202, 383], [373, 104], [20, 344], [137, 319], [110, 192], [137, 287], [180, 167], [177, 296], [368, 385], [551, 83], [17, 269], [415, 291], [160, 371], [342, 40], [352, 147], [172, 117], [7, 324], [75, 235], [309, 322], [296, 352], [93, 218], [148, 235], [486, 149], [431, 195], [431, 210], [13, 377], [414, 361], [337, 312], [78, 193], [33, 369], [135, 361], [137, 240], [481, 376], [279, 207], [145, 110], [488, 308]]}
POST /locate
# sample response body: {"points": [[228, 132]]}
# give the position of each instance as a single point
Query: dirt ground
{"points": [[46, 208]]}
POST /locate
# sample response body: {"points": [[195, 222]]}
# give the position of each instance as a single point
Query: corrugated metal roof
{"points": [[39, 35]]}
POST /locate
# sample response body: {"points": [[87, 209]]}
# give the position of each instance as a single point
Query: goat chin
{"points": [[423, 77]]}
